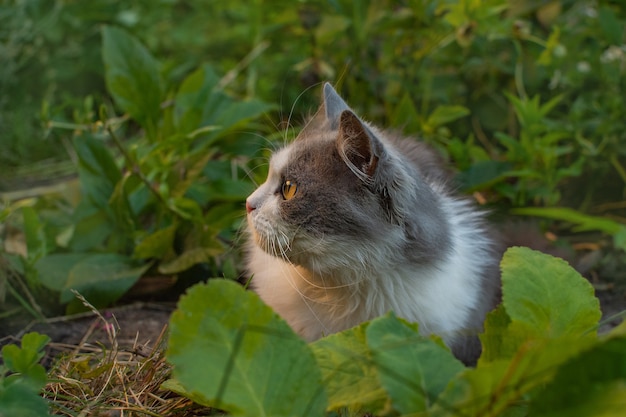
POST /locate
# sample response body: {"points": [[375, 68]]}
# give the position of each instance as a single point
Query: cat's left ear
{"points": [[333, 106], [358, 146]]}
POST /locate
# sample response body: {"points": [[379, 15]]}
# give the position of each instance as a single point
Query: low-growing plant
{"points": [[541, 355], [165, 197], [22, 378]]}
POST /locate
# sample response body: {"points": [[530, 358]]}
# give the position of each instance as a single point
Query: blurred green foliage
{"points": [[167, 109]]}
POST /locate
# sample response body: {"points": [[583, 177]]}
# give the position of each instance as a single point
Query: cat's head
{"points": [[341, 196]]}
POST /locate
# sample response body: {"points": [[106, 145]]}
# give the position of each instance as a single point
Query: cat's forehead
{"points": [[312, 150], [280, 160]]}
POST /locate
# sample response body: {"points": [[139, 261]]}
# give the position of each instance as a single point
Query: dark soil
{"points": [[138, 326]]}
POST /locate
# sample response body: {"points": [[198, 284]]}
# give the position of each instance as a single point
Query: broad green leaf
{"points": [[55, 269], [234, 353], [592, 384], [546, 295], [413, 369], [97, 170], [156, 244], [19, 399], [100, 278], [349, 374], [192, 95], [547, 316], [91, 229], [132, 77]]}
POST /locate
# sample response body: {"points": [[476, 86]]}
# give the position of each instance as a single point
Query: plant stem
{"points": [[134, 167]]}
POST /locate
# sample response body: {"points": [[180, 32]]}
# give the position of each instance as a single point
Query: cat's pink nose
{"points": [[249, 207]]}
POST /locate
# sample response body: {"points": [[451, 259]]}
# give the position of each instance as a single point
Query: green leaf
{"points": [[100, 278], [547, 316], [590, 385], [234, 353], [55, 269], [474, 392], [157, 244], [230, 190], [546, 295], [24, 361], [610, 25], [446, 114], [19, 399], [200, 103], [483, 174], [35, 236], [406, 115], [497, 340], [120, 206], [97, 170], [585, 222], [186, 208], [29, 354], [413, 369], [349, 374], [189, 258], [132, 77], [91, 228]]}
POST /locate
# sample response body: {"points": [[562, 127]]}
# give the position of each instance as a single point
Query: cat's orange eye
{"points": [[289, 189]]}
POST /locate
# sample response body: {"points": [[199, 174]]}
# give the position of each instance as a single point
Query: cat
{"points": [[354, 221]]}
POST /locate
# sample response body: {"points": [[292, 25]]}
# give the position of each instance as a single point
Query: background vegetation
{"points": [[132, 131]]}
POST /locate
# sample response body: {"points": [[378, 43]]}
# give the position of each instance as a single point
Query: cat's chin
{"points": [[276, 247]]}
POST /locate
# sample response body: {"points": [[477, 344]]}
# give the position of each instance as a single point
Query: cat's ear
{"points": [[333, 106], [358, 147]]}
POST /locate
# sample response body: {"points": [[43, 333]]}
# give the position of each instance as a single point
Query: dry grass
{"points": [[104, 380]]}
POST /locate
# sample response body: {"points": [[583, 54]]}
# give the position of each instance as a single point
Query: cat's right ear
{"points": [[333, 106], [357, 146]]}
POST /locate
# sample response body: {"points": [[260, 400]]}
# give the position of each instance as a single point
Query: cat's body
{"points": [[353, 222]]}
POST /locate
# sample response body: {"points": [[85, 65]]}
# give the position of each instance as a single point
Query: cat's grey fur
{"points": [[373, 226]]}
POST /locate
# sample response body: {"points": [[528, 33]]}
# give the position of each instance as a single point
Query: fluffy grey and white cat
{"points": [[354, 221]]}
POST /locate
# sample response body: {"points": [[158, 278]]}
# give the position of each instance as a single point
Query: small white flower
{"points": [[559, 51], [555, 80], [613, 53], [583, 67], [590, 12]]}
